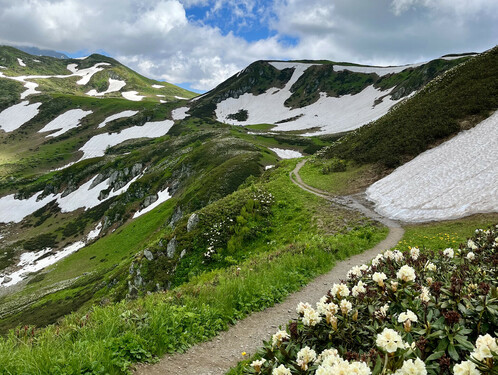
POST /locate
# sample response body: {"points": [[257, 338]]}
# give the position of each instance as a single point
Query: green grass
{"points": [[444, 234], [346, 182]]}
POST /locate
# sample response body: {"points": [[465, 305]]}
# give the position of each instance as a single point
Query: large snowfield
{"points": [[456, 179], [330, 114], [17, 115], [65, 122]]}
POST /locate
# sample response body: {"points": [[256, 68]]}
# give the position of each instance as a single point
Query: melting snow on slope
{"points": [[455, 179], [132, 95], [14, 210], [117, 116], [16, 116], [97, 145], [21, 62], [114, 85], [379, 70], [67, 121], [31, 262], [162, 196], [286, 154], [179, 113], [157, 86], [93, 234], [180, 97], [331, 114]]}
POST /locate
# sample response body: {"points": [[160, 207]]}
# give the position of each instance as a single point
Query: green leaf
{"points": [[453, 353], [435, 355]]}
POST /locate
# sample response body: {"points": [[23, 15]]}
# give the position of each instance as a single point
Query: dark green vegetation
{"points": [[458, 100], [279, 242]]}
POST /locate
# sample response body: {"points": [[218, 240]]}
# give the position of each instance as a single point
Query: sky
{"points": [[197, 44]]}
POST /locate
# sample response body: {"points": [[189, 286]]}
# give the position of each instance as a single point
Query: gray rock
{"points": [[138, 281], [171, 248], [149, 200], [177, 215], [193, 220], [148, 255], [7, 279], [182, 254], [136, 169]]}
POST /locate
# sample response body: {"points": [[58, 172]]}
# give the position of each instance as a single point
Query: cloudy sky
{"points": [[199, 43]]}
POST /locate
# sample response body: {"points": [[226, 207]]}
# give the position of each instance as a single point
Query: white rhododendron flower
{"points": [[425, 295], [471, 245], [305, 356], [376, 261], [430, 266], [408, 315], [281, 370], [398, 255], [449, 252], [466, 368], [484, 346], [302, 307], [359, 289], [389, 340], [471, 255], [414, 253], [311, 317], [388, 254], [406, 273], [411, 367], [354, 272], [327, 353], [257, 364], [339, 290], [359, 368], [278, 337], [346, 307], [379, 278]]}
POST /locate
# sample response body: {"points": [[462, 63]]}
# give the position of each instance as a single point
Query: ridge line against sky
{"points": [[200, 43]]}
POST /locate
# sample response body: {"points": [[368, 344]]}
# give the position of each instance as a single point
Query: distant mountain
{"points": [[42, 52]]}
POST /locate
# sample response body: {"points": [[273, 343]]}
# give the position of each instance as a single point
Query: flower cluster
{"points": [[406, 313]]}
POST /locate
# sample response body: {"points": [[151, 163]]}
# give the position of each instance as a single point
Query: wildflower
{"points": [[394, 286], [398, 255], [328, 353], [406, 273], [281, 370], [257, 364], [449, 252], [388, 254], [411, 367], [305, 356], [346, 307], [302, 307], [244, 354], [484, 346], [332, 320], [376, 261], [279, 337], [389, 340], [471, 245], [339, 290], [471, 256], [354, 272], [379, 278], [425, 296], [465, 368], [359, 289], [311, 317], [429, 280], [430, 266], [414, 253], [407, 318]]}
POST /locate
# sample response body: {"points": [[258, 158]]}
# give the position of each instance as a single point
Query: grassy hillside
{"points": [[458, 100]]}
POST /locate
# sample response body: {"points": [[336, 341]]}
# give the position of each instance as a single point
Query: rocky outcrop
{"points": [[171, 248], [193, 220]]}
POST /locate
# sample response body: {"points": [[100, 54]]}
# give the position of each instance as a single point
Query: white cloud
{"points": [[160, 40]]}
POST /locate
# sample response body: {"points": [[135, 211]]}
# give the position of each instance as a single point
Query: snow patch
{"points": [[16, 116], [14, 210], [379, 70], [132, 95], [65, 122], [36, 61], [114, 85], [117, 116], [180, 98], [21, 62], [161, 96], [162, 101], [455, 179], [162, 196], [87, 74], [97, 145], [93, 234], [3, 67], [157, 86], [286, 154], [180, 113]]}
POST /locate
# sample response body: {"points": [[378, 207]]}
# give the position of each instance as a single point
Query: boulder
{"points": [[193, 220], [171, 248]]}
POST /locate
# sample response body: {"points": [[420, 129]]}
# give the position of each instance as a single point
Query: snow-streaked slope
{"points": [[132, 95], [179, 113], [16, 116], [286, 154], [162, 196], [456, 179], [67, 121], [21, 62], [379, 70], [97, 145], [33, 262], [17, 209], [114, 85], [117, 116], [157, 86], [331, 114]]}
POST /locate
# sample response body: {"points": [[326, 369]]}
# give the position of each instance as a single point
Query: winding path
{"points": [[216, 357]]}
